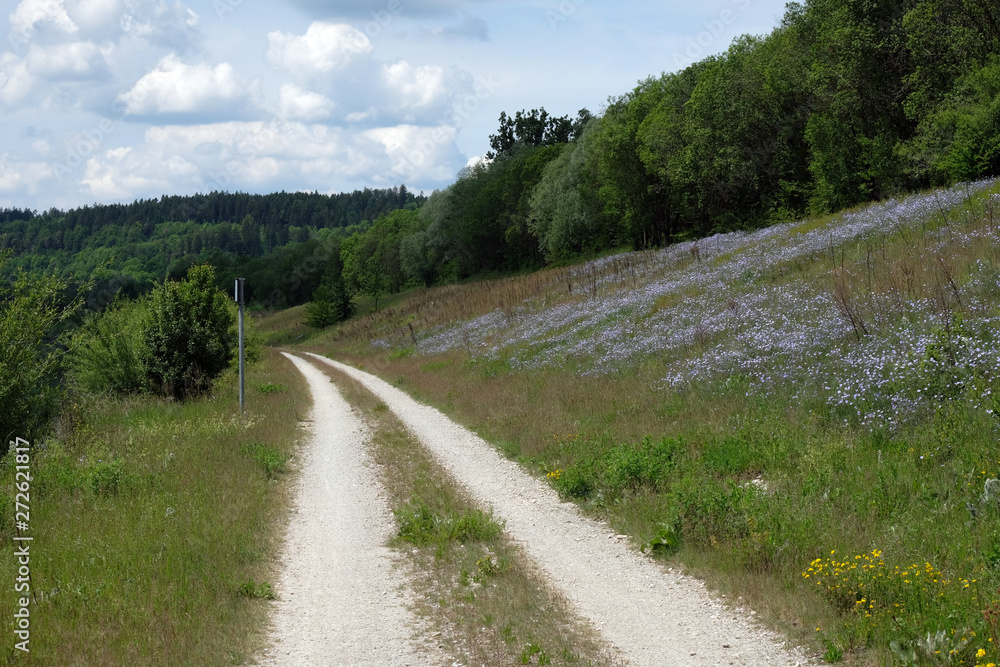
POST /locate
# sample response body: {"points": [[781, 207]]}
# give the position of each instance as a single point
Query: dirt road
{"points": [[651, 616], [341, 601]]}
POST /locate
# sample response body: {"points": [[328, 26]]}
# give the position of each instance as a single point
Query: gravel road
{"points": [[650, 615], [341, 600]]}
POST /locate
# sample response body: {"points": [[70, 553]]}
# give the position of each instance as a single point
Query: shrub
{"points": [[331, 304], [576, 481], [628, 466], [107, 351], [31, 310], [190, 335]]}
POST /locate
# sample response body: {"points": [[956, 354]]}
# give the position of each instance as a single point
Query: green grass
{"points": [[154, 526]]}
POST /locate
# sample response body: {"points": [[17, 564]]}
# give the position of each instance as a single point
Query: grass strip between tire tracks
{"points": [[486, 601]]}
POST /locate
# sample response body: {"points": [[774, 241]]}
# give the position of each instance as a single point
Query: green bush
{"points": [[31, 312], [106, 476], [332, 303], [576, 481], [107, 351], [628, 466], [190, 334]]}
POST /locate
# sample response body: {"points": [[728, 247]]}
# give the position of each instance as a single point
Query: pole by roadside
{"points": [[239, 300]]}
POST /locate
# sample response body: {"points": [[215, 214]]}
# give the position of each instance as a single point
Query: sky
{"points": [[105, 101]]}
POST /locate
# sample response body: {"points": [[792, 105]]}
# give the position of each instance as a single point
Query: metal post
{"points": [[239, 300]]}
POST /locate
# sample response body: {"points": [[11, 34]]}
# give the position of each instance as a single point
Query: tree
{"points": [[106, 355], [533, 129], [331, 302], [190, 336], [565, 216], [960, 138]]}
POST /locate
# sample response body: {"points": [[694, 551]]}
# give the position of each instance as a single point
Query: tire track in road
{"points": [[651, 616], [341, 600]]}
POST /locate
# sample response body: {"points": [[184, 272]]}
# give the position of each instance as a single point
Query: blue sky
{"points": [[113, 100]]}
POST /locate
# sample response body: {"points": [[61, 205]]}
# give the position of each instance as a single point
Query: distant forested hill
{"points": [[129, 247], [844, 102]]}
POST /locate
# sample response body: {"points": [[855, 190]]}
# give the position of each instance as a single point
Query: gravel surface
{"points": [[651, 615], [341, 599]]}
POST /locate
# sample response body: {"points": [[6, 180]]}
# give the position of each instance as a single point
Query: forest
{"points": [[127, 248], [845, 102]]}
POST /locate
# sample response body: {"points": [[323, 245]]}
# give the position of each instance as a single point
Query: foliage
{"points": [[331, 303], [421, 526], [372, 264], [534, 128], [107, 351], [190, 335], [33, 312], [960, 138], [564, 212], [277, 241]]}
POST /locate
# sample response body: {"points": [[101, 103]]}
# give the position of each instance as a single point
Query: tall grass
{"points": [[149, 519], [817, 387]]}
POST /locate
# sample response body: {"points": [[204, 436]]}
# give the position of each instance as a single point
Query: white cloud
{"points": [[361, 116], [324, 48], [175, 87], [15, 81], [425, 153], [22, 177], [298, 104], [414, 87], [75, 60], [270, 155], [170, 24], [30, 13]]}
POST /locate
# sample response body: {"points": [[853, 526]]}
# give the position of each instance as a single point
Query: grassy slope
{"points": [[846, 363], [155, 526]]}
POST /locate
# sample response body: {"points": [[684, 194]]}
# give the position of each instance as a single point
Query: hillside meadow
{"points": [[804, 415]]}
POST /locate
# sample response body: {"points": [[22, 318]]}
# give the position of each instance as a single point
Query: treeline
{"points": [[845, 102], [128, 248], [68, 230]]}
